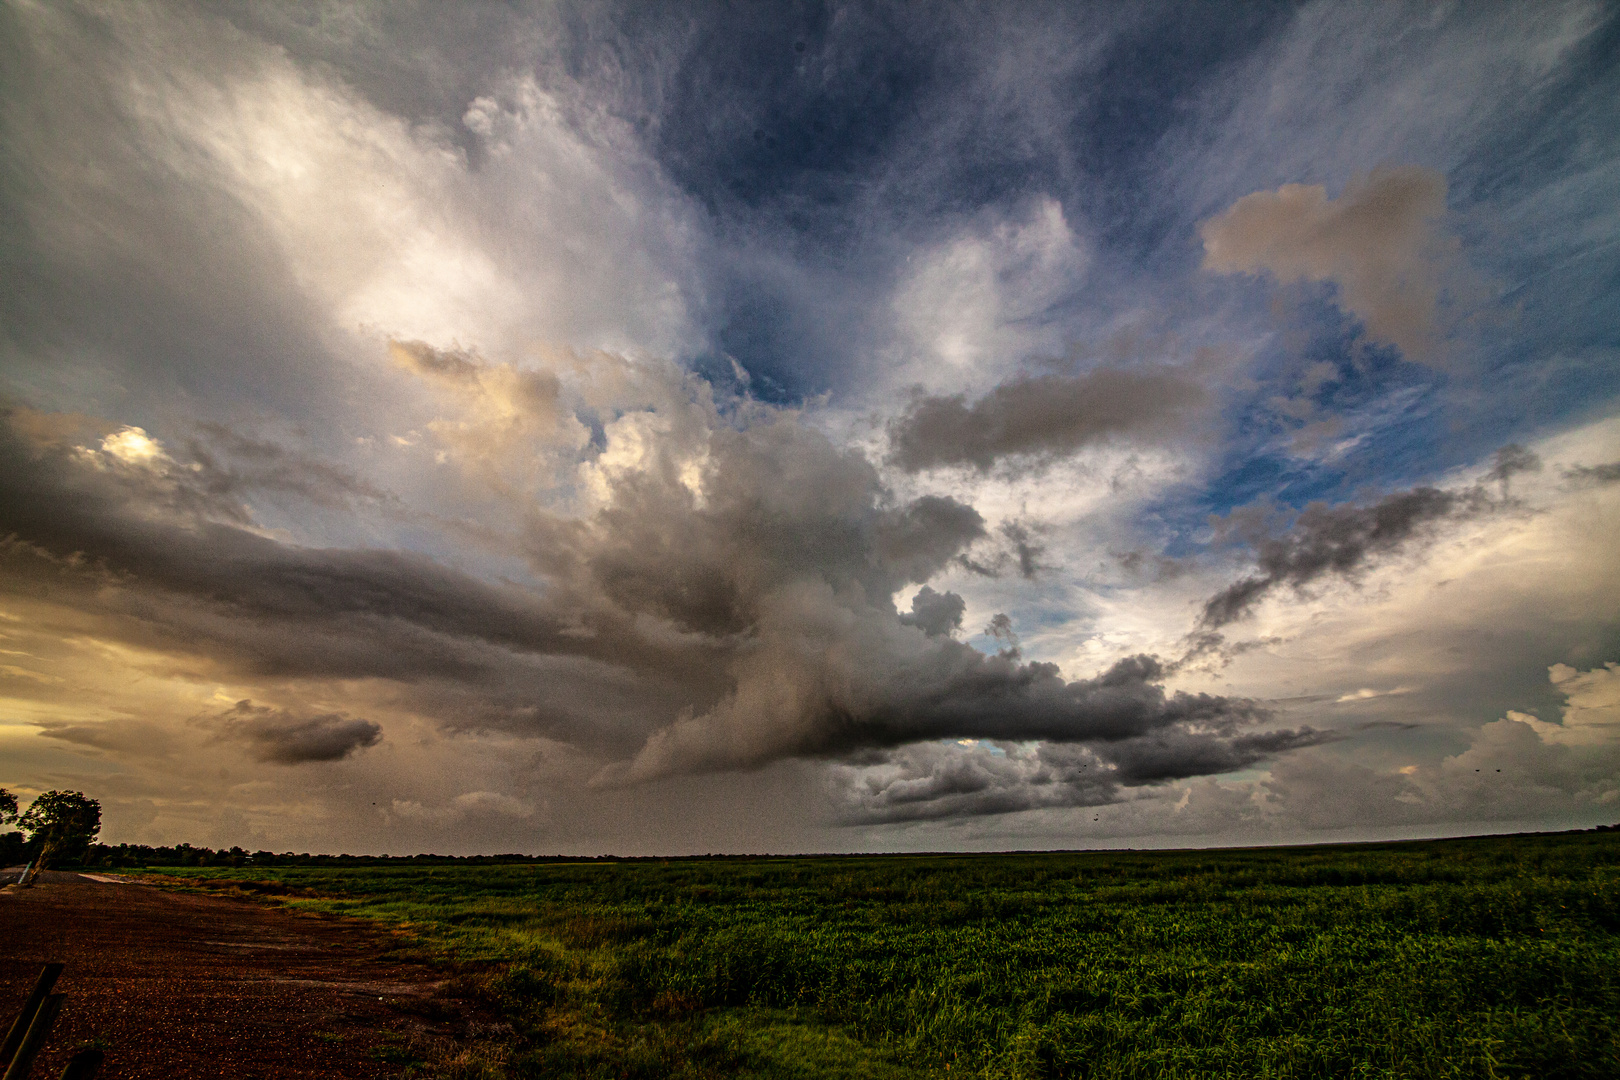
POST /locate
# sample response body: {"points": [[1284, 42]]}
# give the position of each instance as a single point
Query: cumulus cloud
{"points": [[1591, 713], [1040, 418], [285, 738], [1515, 769], [944, 780], [1379, 242], [736, 581], [935, 613], [506, 422]]}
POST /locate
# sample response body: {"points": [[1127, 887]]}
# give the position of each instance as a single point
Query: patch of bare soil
{"points": [[179, 985]]}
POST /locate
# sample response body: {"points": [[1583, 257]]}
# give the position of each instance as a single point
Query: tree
{"points": [[11, 841], [62, 824]]}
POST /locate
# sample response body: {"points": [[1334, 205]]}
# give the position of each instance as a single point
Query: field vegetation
{"points": [[1489, 957]]}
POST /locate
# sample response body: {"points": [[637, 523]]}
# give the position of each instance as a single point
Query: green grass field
{"points": [[1480, 958]]}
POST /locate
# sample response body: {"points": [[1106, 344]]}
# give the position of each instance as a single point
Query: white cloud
{"points": [[1367, 694], [1591, 713], [973, 306], [133, 446], [566, 234], [471, 804]]}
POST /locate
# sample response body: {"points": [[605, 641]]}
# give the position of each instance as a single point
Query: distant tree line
{"points": [[16, 848], [114, 856], [60, 828], [132, 855]]}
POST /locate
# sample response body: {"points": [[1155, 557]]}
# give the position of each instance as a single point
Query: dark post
{"points": [[42, 986], [38, 1032], [82, 1065]]}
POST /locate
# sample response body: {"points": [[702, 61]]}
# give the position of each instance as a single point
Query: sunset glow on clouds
{"points": [[586, 429]]}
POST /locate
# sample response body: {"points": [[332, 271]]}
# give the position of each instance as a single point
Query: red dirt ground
{"points": [[178, 985]]}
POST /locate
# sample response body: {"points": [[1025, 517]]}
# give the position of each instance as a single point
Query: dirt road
{"points": [[177, 985]]}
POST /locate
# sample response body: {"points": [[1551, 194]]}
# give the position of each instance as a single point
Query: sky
{"points": [[664, 429]]}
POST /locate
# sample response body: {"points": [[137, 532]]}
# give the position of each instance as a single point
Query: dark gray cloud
{"points": [[1025, 548], [1013, 547], [1153, 568], [935, 613], [1510, 461], [932, 781], [156, 530], [230, 463], [1178, 753], [1000, 628], [920, 538], [957, 692], [1040, 417], [1594, 474], [283, 738], [798, 557], [937, 780], [1336, 540], [1210, 649]]}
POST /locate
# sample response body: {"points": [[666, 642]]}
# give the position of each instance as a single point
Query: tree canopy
{"points": [[63, 823]]}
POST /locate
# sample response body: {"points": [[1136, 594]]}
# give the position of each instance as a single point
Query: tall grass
{"points": [[1466, 958]]}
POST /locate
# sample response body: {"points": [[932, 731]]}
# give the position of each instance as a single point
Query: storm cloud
{"points": [[739, 579], [283, 738], [935, 613], [969, 778]]}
